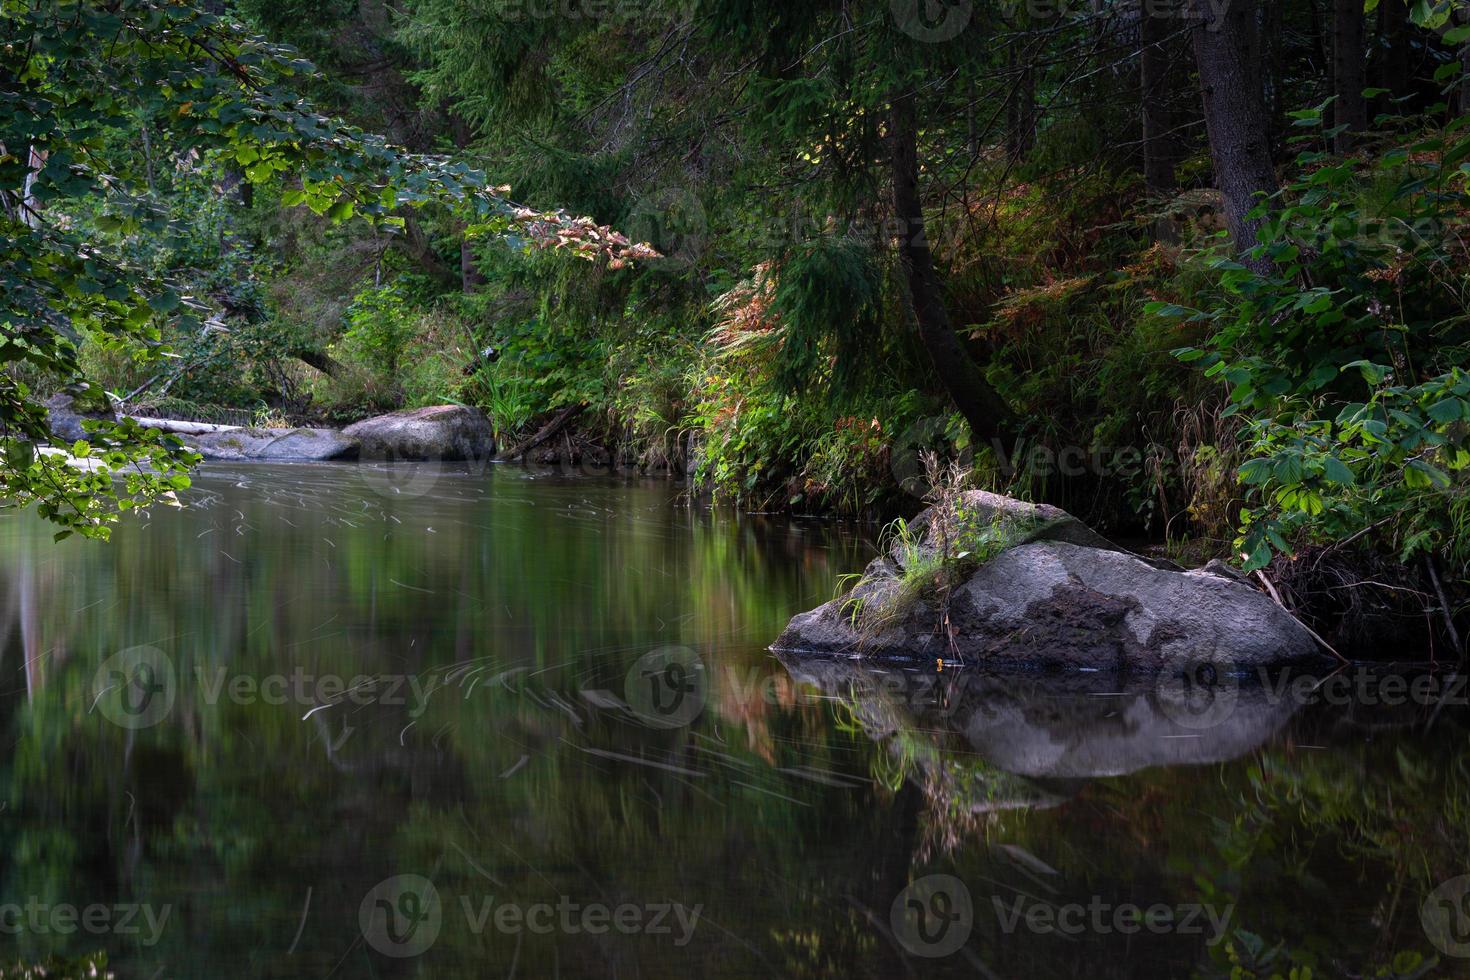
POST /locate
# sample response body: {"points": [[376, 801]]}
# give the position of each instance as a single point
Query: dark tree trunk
{"points": [[1161, 151], [989, 417], [416, 245], [320, 360], [1228, 56], [1391, 68], [1464, 103], [1275, 69], [470, 277], [1349, 72]]}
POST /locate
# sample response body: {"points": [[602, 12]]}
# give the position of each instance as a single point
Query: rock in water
{"points": [[448, 433], [272, 445], [1054, 603], [65, 416]]}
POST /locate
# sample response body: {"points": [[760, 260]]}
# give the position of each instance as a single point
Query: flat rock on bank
{"points": [[272, 445], [1062, 598], [451, 433]]}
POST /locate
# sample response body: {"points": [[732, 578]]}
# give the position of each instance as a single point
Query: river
{"points": [[350, 721]]}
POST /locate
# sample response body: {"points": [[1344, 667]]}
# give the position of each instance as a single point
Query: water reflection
{"points": [[406, 730], [1084, 725]]}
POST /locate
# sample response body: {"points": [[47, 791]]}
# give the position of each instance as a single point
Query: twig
{"points": [[547, 432], [1350, 539], [1271, 589], [1311, 632], [1444, 606]]}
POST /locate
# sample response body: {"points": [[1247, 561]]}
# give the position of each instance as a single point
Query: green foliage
{"points": [[828, 296], [935, 555], [379, 327], [1345, 360], [77, 198], [93, 966]]}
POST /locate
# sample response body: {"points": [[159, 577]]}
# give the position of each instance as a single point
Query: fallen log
{"points": [[547, 432], [181, 428]]}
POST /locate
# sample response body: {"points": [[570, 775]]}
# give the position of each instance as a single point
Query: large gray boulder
{"points": [[272, 445], [1042, 522], [64, 417], [1055, 603], [449, 433]]}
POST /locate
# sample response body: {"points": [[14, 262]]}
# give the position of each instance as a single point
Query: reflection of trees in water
{"points": [[231, 812], [760, 810], [979, 745], [1015, 774]]}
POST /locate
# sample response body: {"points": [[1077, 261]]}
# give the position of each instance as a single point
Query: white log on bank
{"points": [[181, 428]]}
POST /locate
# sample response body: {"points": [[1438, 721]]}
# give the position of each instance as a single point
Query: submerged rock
{"points": [[273, 445], [1052, 601], [449, 433]]}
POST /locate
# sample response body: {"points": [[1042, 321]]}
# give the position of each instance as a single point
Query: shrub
{"points": [[1345, 358]]}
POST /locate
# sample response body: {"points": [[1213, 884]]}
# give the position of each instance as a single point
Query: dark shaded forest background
{"points": [[1195, 271]]}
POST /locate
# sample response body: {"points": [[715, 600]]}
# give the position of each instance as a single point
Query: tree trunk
{"points": [[1227, 54], [30, 208], [1160, 145], [989, 417], [416, 245], [1465, 68], [1021, 110], [320, 360], [1275, 68], [1349, 73], [470, 277], [1392, 55]]}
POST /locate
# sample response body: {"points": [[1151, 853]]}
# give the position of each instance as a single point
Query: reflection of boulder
{"points": [[1060, 597], [1062, 728]]}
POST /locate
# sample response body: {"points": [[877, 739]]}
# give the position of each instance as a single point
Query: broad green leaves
{"points": [[1345, 360]]}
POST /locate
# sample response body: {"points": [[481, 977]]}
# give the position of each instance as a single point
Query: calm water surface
{"points": [[357, 722]]}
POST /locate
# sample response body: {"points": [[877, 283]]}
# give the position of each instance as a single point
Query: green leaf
{"points": [[1420, 475], [1447, 411], [165, 302], [1255, 472], [1258, 557], [1336, 471]]}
